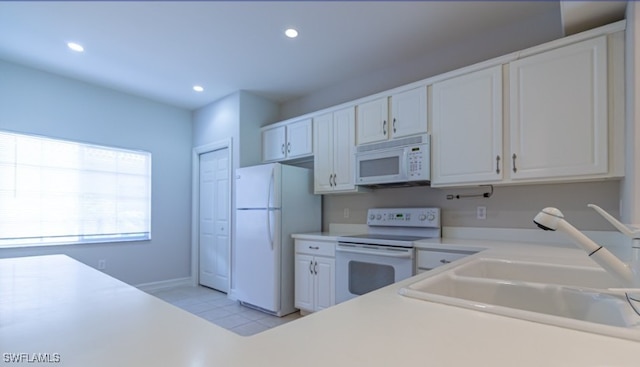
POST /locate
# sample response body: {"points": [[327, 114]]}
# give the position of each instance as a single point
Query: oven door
{"points": [[362, 268]]}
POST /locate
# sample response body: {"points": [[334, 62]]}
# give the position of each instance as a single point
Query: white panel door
{"points": [[214, 241], [373, 121], [274, 144], [257, 251], [558, 108], [323, 136], [409, 111], [467, 128], [299, 139], [324, 270], [344, 130], [304, 282]]}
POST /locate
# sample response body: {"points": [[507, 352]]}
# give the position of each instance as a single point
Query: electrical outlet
{"points": [[102, 264], [481, 212]]}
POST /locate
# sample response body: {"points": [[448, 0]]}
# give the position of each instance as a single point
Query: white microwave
{"points": [[398, 162]]}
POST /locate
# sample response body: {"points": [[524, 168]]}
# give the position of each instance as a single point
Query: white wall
{"points": [[40, 103], [480, 47], [509, 207], [238, 116]]}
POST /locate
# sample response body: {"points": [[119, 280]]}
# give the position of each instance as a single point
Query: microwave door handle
{"points": [[404, 163]]}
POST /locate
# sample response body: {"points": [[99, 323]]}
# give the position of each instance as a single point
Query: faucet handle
{"points": [[632, 233]]}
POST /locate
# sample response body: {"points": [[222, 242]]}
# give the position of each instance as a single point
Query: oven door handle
{"points": [[404, 254]]}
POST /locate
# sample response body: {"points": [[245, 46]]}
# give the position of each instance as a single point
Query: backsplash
{"points": [[508, 207]]}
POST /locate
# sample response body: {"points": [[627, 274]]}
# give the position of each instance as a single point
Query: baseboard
{"points": [[164, 284]]}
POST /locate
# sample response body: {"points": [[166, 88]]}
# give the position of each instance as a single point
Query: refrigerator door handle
{"points": [[269, 211]]}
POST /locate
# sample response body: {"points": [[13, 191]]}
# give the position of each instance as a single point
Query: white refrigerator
{"points": [[273, 201]]}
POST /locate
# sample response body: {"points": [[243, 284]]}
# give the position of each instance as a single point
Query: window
{"points": [[55, 191]]}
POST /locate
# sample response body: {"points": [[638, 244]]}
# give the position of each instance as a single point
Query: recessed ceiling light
{"points": [[198, 88], [75, 47], [291, 33]]}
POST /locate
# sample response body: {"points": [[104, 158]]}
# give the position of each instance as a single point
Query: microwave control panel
{"points": [[416, 158], [404, 217]]}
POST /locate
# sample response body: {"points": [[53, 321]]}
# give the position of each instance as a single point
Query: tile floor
{"points": [[215, 307]]}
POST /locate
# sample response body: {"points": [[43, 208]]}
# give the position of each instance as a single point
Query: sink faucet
{"points": [[551, 219]]}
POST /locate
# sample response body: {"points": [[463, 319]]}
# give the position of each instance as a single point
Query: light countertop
{"points": [[56, 305]]}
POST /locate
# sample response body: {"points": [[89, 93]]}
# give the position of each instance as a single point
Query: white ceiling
{"points": [[159, 50]]}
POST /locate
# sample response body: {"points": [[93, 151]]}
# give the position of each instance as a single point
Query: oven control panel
{"points": [[404, 217]]}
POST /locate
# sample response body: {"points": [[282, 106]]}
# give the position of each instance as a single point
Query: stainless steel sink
{"points": [[567, 296]]}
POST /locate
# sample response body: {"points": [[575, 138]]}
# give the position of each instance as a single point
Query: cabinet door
{"points": [[467, 128], [273, 144], [409, 113], [344, 149], [559, 112], [323, 136], [373, 121], [324, 269], [304, 282], [299, 139]]}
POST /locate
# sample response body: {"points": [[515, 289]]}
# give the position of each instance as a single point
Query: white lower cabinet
{"points": [[314, 275]]}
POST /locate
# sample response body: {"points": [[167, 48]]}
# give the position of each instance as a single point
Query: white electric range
{"points": [[385, 254]]}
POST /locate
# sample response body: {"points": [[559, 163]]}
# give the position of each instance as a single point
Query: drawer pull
{"points": [[314, 247], [444, 261]]}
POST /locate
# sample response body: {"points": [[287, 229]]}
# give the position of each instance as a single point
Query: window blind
{"points": [[56, 191]]}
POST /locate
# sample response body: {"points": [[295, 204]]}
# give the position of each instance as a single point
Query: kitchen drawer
{"points": [[316, 248], [428, 259]]}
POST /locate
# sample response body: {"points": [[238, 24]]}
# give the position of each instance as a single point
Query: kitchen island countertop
{"points": [[55, 307]]}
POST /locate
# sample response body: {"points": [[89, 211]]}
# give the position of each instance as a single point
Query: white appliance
{"points": [[398, 162], [273, 201], [385, 254]]}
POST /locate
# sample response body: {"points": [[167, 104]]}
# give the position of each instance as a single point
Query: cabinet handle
{"points": [[282, 148], [311, 267], [515, 169], [334, 180], [444, 261], [315, 268], [314, 247], [394, 125], [384, 127], [498, 164], [289, 147], [330, 181]]}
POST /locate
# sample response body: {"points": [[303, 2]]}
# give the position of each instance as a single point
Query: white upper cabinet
{"points": [[561, 120], [334, 141], [558, 112], [467, 128], [409, 112], [401, 114], [373, 121], [274, 142], [289, 141]]}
